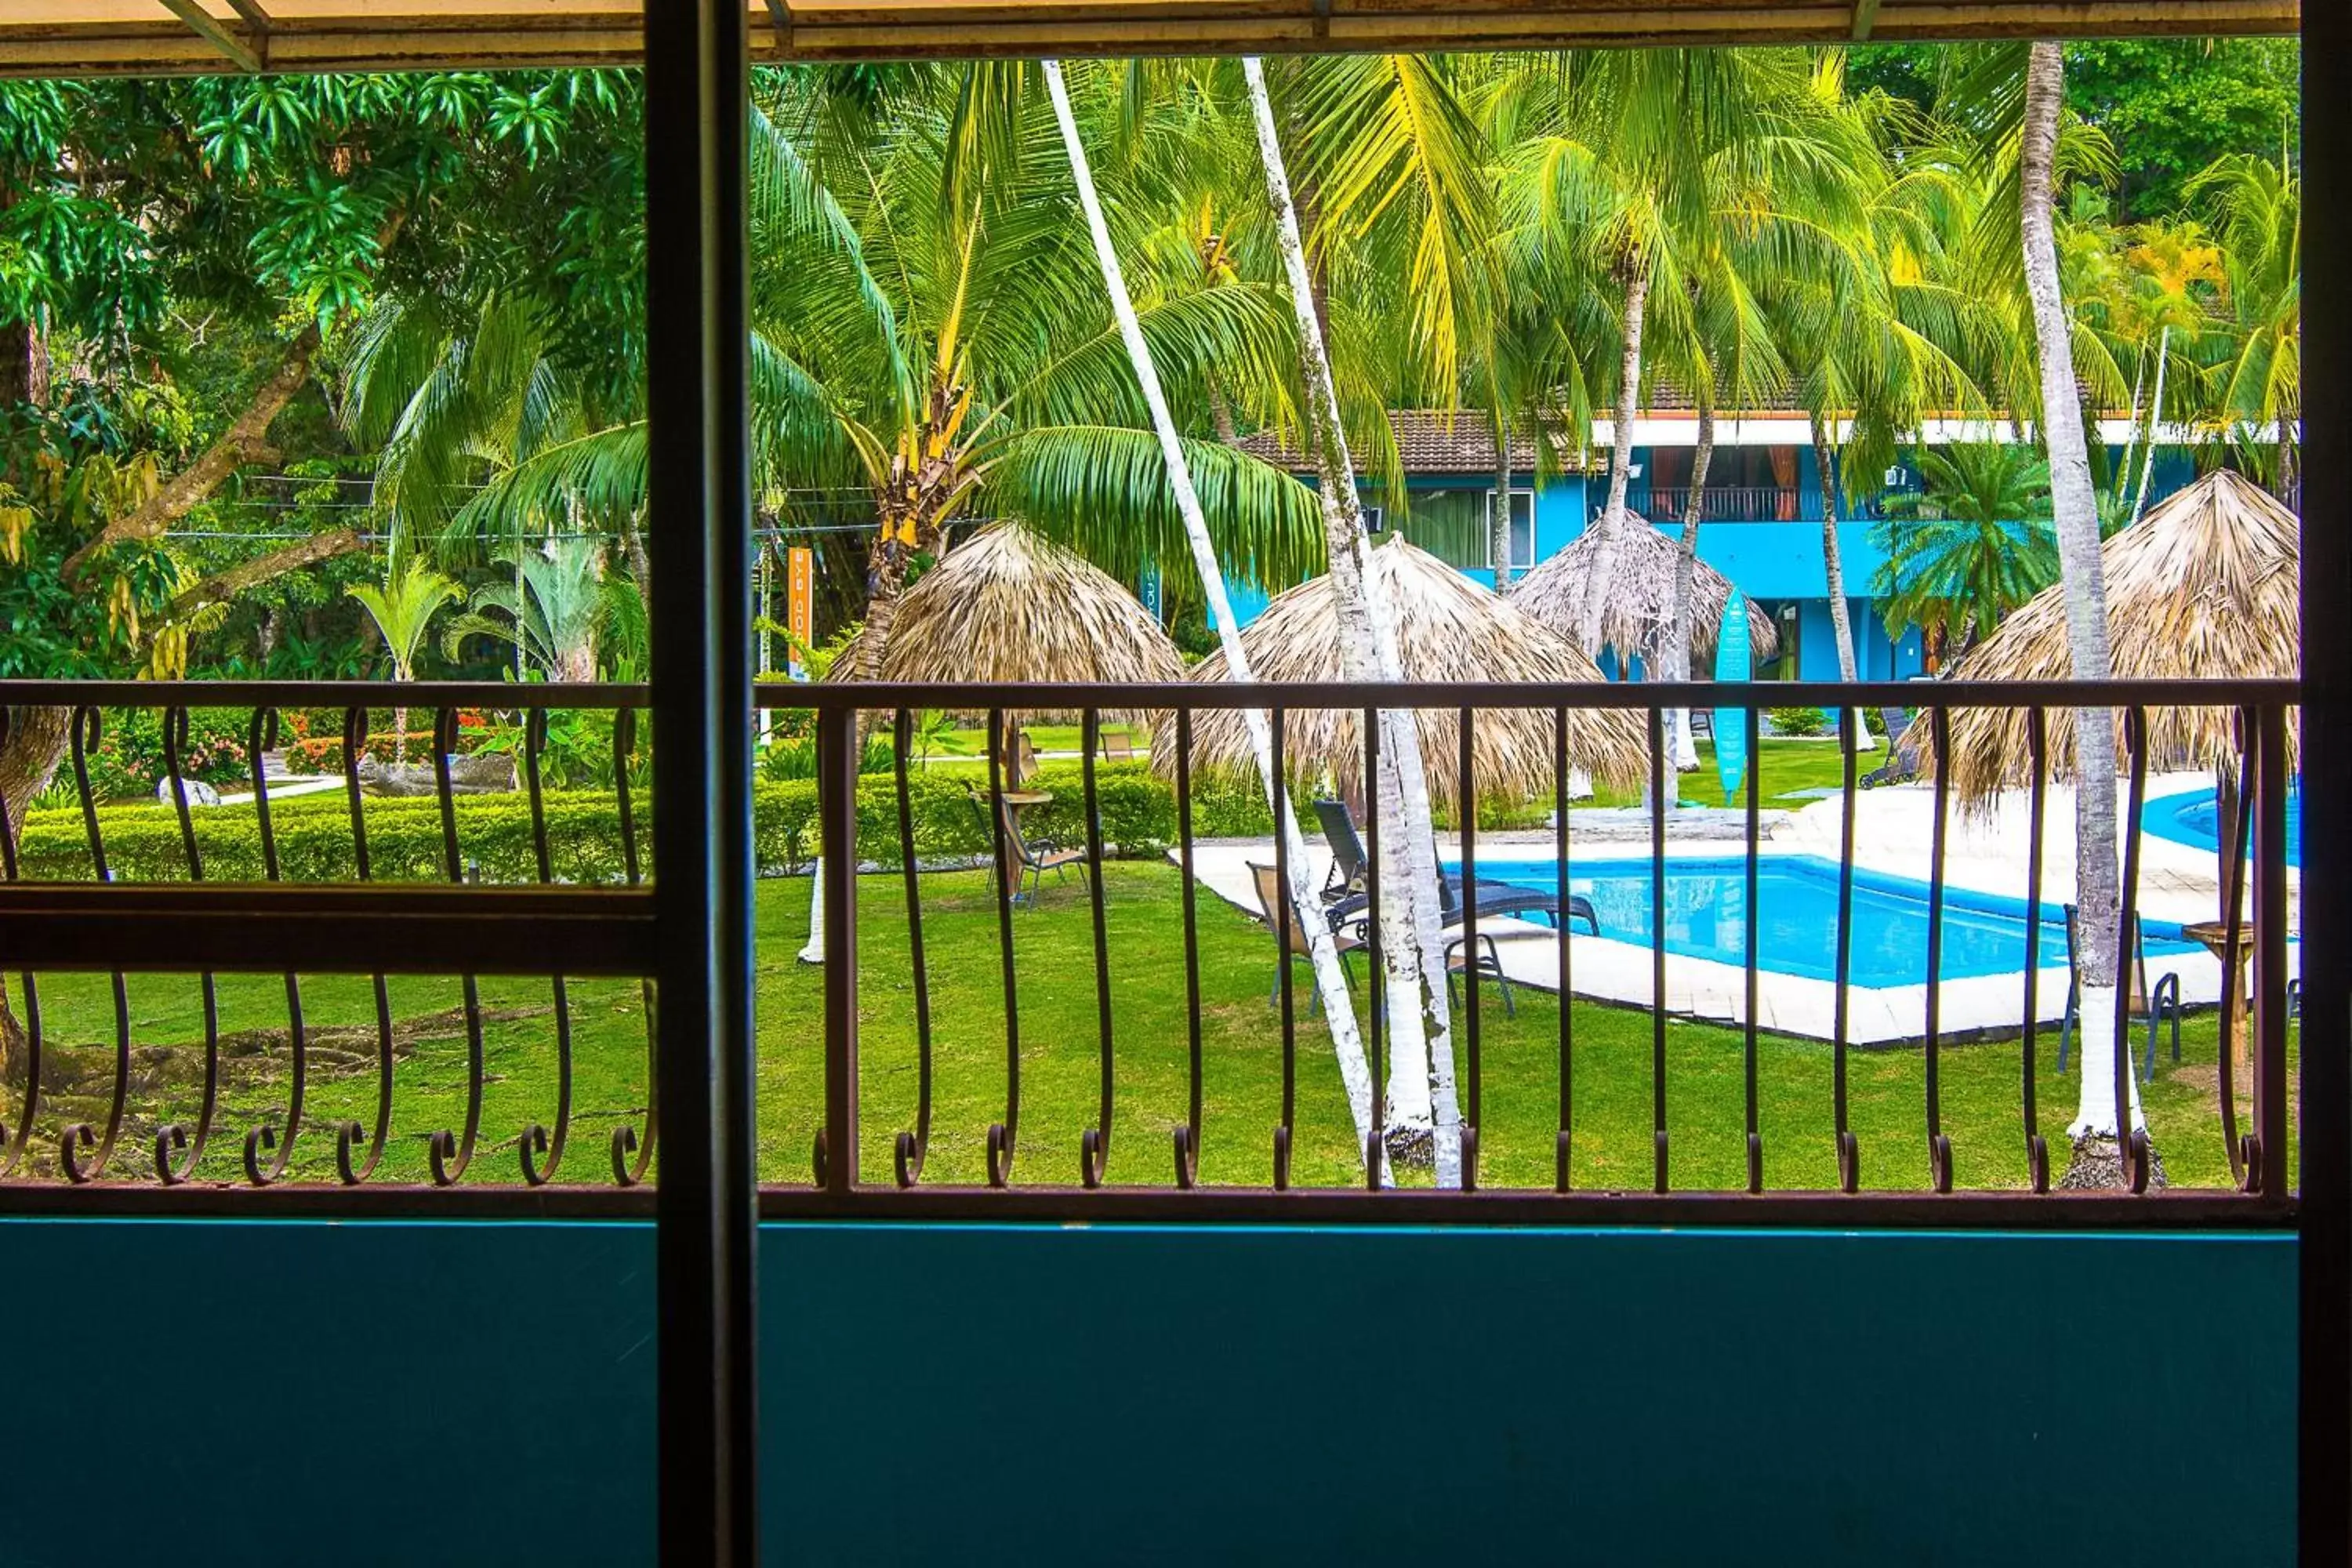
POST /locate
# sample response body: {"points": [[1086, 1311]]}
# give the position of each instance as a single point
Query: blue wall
{"points": [[376, 1393]]}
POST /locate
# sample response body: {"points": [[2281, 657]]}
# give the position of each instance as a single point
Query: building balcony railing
{"points": [[1669, 504], [536, 909]]}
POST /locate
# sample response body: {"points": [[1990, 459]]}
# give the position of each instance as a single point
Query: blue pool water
{"points": [[1796, 900], [2194, 817]]}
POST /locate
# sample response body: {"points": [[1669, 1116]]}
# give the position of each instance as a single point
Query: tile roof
{"points": [[1435, 441]]}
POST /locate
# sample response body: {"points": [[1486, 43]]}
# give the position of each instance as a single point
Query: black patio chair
{"points": [[1345, 895]]}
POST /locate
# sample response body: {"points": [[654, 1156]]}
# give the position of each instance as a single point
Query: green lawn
{"points": [[1786, 767], [1240, 1044]]}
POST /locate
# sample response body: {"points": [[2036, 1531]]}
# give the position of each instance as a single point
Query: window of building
{"points": [[1456, 526], [1523, 530]]}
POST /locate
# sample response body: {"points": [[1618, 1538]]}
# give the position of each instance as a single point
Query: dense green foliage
{"points": [[2168, 106]]}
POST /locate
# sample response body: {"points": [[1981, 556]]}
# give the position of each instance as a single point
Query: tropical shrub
{"points": [[1797, 721]]}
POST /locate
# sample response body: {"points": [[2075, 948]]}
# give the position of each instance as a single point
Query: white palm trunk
{"points": [[1680, 746], [1422, 1099], [1852, 728], [2097, 894], [2155, 423], [1330, 980], [1599, 583]]}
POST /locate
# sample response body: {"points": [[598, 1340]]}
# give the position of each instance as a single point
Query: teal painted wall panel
{"points": [[396, 1394]]}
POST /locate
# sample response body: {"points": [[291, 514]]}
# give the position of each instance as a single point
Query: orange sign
{"points": [[799, 601]]}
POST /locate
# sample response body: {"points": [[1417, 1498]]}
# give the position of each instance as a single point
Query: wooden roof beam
{"points": [[201, 23]]}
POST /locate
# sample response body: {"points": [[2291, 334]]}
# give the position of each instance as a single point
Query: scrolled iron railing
{"points": [[599, 922]]}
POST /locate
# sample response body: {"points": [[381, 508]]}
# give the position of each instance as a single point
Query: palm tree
{"points": [[1969, 547], [1421, 1077], [402, 607], [2171, 265], [1331, 982], [556, 615], [2259, 384], [2098, 1121]]}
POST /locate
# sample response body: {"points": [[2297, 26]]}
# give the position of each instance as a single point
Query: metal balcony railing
{"points": [[553, 889]]}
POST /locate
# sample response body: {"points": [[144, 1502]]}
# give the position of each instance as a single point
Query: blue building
{"points": [[1762, 517]]}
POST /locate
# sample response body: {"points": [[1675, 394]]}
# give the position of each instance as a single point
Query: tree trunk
{"points": [[1498, 520], [1420, 1080], [24, 365], [2155, 423], [2097, 898], [1684, 750], [246, 440], [1330, 978], [1612, 527], [1852, 728]]}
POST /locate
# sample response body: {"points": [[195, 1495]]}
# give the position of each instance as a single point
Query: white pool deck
{"points": [[1893, 833]]}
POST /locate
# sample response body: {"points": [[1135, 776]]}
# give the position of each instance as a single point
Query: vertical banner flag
{"points": [[1732, 663], [1147, 588], [799, 601]]}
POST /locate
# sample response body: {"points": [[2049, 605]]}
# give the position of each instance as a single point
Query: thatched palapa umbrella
{"points": [[2205, 587], [1449, 629], [1007, 605], [1639, 614]]}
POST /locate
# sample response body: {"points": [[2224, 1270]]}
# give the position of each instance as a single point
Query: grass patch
{"points": [[1240, 1041]]}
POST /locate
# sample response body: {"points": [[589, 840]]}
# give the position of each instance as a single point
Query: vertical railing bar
{"points": [[911, 1148], [1187, 1137], [536, 1140], [1376, 1141], [2244, 1161], [1939, 1148], [2037, 1150], [2272, 1089], [2131, 1142], [1093, 1144], [86, 730], [1280, 916], [1003, 1137], [838, 761], [1467, 815], [1659, 786], [348, 1133], [173, 1138], [1849, 1148], [632, 1153], [446, 1155], [1751, 729], [1563, 1141], [13, 1141]]}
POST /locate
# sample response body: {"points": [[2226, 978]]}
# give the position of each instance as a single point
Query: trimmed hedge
{"points": [[314, 838]]}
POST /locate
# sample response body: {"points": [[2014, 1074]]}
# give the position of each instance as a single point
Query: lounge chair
{"points": [[1117, 746], [2150, 1006], [1344, 894], [1269, 898], [1031, 858], [1902, 764], [1269, 893]]}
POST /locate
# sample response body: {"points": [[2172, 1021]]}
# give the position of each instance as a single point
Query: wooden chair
{"points": [[1269, 900], [1031, 858]]}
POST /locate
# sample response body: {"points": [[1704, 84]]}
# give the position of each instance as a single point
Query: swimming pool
{"points": [[2194, 816], [1796, 898]]}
